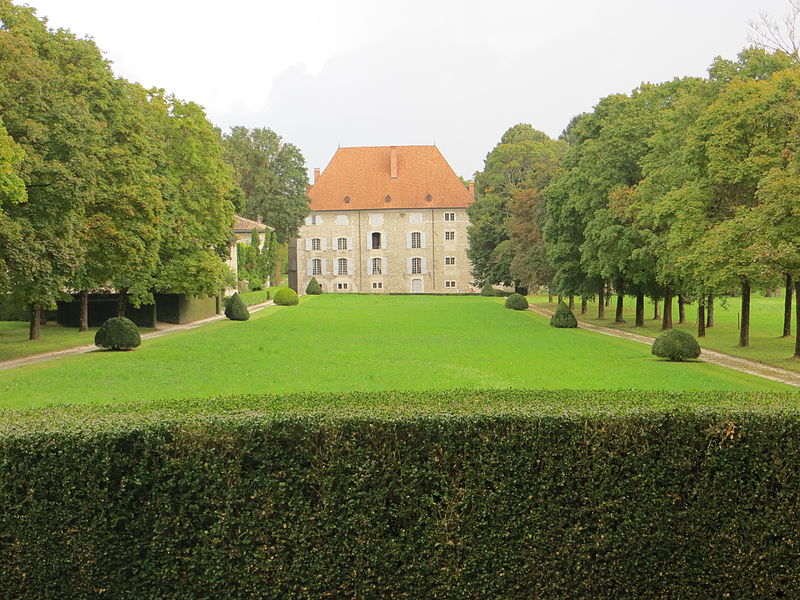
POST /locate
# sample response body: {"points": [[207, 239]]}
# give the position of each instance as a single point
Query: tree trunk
{"points": [[601, 305], [701, 320], [572, 302], [787, 308], [608, 295], [122, 302], [666, 322], [35, 331], [639, 310], [744, 330], [560, 298], [710, 312], [681, 310], [549, 296], [656, 310], [797, 319], [619, 318], [584, 306], [84, 324]]}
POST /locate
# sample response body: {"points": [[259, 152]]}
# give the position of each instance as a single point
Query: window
{"points": [[376, 266], [449, 235], [316, 244], [316, 266], [415, 218], [347, 199], [341, 266], [416, 266], [314, 220], [341, 286], [377, 285], [341, 243], [342, 220], [428, 198], [388, 198], [416, 239], [449, 216], [449, 284], [376, 241], [449, 260]]}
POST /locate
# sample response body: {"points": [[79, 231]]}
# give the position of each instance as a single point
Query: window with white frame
{"points": [[416, 239], [341, 266], [416, 266], [375, 241], [377, 266], [449, 260], [377, 285], [341, 286], [314, 220], [341, 243], [449, 284], [316, 244], [316, 266], [449, 216], [449, 235]]}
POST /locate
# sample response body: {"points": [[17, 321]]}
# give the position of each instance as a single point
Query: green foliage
{"points": [[286, 297], [118, 333], [516, 302], [235, 309], [676, 345], [563, 317], [487, 289], [403, 495], [313, 288]]}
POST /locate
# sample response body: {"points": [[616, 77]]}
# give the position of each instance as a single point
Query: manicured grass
{"points": [[14, 342], [335, 343], [766, 326]]}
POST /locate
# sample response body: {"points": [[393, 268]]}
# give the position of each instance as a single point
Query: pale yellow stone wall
{"points": [[395, 228]]}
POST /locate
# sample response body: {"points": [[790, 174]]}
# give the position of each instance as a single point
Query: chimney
{"points": [[393, 160], [316, 175], [472, 189]]}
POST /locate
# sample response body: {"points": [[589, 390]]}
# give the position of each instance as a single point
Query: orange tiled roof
{"points": [[364, 176], [242, 225]]}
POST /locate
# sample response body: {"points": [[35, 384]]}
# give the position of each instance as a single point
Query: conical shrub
{"points": [[487, 289], [563, 317], [313, 288], [516, 302], [676, 345], [118, 333], [236, 310]]}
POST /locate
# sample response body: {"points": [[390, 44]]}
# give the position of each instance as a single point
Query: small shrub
{"points": [[313, 288], [563, 317], [286, 297], [487, 289], [676, 345], [236, 310], [118, 333], [516, 302]]}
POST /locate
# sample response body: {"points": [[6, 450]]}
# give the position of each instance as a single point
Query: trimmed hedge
{"points": [[516, 302], [313, 288], [235, 309], [563, 317], [676, 345], [118, 333], [421, 495], [286, 297]]}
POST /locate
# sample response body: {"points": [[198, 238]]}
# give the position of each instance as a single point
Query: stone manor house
{"points": [[385, 219]]}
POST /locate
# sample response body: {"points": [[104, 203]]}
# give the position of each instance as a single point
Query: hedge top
{"points": [[389, 406]]}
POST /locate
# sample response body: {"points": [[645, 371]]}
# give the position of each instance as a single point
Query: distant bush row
{"points": [[487, 495]]}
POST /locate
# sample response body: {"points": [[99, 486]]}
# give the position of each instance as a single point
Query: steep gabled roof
{"points": [[242, 225], [363, 176]]}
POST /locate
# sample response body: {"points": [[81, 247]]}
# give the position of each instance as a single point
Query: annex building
{"points": [[385, 219]]}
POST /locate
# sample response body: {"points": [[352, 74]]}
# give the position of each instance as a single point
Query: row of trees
{"points": [[104, 184], [686, 188]]}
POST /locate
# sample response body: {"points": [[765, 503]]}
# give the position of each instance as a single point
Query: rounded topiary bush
{"points": [[118, 333], [676, 345], [563, 317], [286, 297], [313, 288], [236, 310], [517, 302]]}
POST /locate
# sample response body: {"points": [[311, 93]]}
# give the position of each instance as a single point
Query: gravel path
{"points": [[165, 329], [744, 365]]}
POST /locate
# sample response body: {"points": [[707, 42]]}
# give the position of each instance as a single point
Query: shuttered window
{"points": [[341, 243], [341, 266], [316, 244], [416, 266], [376, 266], [316, 266], [416, 239]]}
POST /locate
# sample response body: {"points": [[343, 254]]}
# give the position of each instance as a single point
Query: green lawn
{"points": [[14, 342], [337, 343], [766, 326]]}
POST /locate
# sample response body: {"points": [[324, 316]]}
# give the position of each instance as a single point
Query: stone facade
{"points": [[388, 219]]}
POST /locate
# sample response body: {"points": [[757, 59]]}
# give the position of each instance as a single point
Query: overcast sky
{"points": [[324, 73]]}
